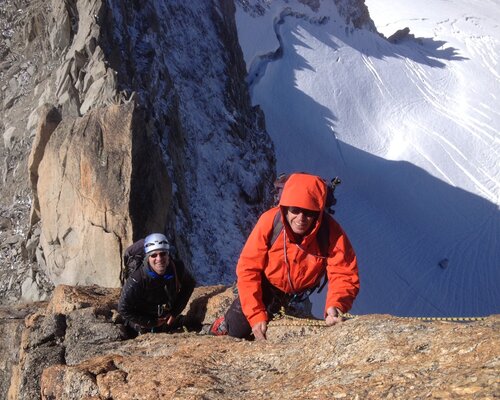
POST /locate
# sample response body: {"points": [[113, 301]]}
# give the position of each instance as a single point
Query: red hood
{"points": [[304, 191]]}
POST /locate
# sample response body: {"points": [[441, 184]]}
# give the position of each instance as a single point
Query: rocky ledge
{"points": [[75, 347]]}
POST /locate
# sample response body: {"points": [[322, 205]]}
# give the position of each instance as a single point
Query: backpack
{"points": [[133, 258], [323, 235]]}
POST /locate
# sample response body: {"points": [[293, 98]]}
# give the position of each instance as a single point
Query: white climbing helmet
{"points": [[156, 241]]}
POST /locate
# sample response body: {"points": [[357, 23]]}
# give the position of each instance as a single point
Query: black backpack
{"points": [[323, 232], [133, 258]]}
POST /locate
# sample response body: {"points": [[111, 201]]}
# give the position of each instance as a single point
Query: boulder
{"points": [[94, 179]]}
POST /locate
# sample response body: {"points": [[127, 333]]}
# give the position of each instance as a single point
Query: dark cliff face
{"points": [[184, 62], [181, 65]]}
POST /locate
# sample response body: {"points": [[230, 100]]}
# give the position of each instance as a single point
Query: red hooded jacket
{"points": [[304, 261]]}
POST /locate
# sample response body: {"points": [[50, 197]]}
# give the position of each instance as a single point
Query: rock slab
{"points": [[74, 348]]}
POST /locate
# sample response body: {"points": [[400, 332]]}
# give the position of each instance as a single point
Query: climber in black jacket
{"points": [[157, 292]]}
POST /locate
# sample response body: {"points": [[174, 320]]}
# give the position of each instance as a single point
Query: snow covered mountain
{"points": [[411, 125]]}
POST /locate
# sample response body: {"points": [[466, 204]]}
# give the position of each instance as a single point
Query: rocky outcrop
{"points": [[77, 324], [75, 77], [74, 347], [86, 183], [50, 117], [192, 82], [356, 13]]}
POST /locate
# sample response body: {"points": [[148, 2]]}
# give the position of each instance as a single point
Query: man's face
{"points": [[300, 219], [158, 261]]}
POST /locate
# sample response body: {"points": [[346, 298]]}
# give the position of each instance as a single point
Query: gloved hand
{"points": [[332, 316], [259, 330]]}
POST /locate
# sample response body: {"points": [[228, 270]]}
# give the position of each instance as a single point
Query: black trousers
{"points": [[237, 324]]}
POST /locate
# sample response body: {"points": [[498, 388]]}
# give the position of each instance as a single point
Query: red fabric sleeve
{"points": [[342, 270], [251, 264]]}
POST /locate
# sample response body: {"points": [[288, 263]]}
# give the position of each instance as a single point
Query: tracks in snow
{"points": [[442, 96]]}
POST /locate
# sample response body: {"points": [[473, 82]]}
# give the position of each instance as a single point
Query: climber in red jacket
{"points": [[270, 275]]}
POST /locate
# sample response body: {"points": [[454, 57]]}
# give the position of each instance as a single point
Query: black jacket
{"points": [[145, 294]]}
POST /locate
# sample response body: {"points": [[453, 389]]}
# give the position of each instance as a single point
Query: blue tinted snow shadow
{"points": [[403, 222]]}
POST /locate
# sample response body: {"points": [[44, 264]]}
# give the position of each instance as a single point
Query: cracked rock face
{"points": [[83, 186], [75, 348], [75, 75]]}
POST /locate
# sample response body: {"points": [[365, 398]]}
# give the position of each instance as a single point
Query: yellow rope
{"points": [[454, 319], [288, 320], [283, 319]]}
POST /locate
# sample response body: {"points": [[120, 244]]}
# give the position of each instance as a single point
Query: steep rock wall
{"points": [[184, 62], [84, 193], [180, 66]]}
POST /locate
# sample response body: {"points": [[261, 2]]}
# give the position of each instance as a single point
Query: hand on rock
{"points": [[259, 330], [332, 316]]}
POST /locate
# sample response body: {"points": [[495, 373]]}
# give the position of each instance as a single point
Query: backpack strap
{"points": [[176, 275], [277, 228]]}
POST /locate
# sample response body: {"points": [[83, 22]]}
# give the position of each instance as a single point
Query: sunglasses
{"points": [[161, 254], [307, 213]]}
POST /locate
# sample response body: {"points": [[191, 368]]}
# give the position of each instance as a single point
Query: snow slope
{"points": [[412, 128]]}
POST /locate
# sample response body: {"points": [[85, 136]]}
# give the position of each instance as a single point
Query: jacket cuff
{"points": [[261, 317], [338, 306]]}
